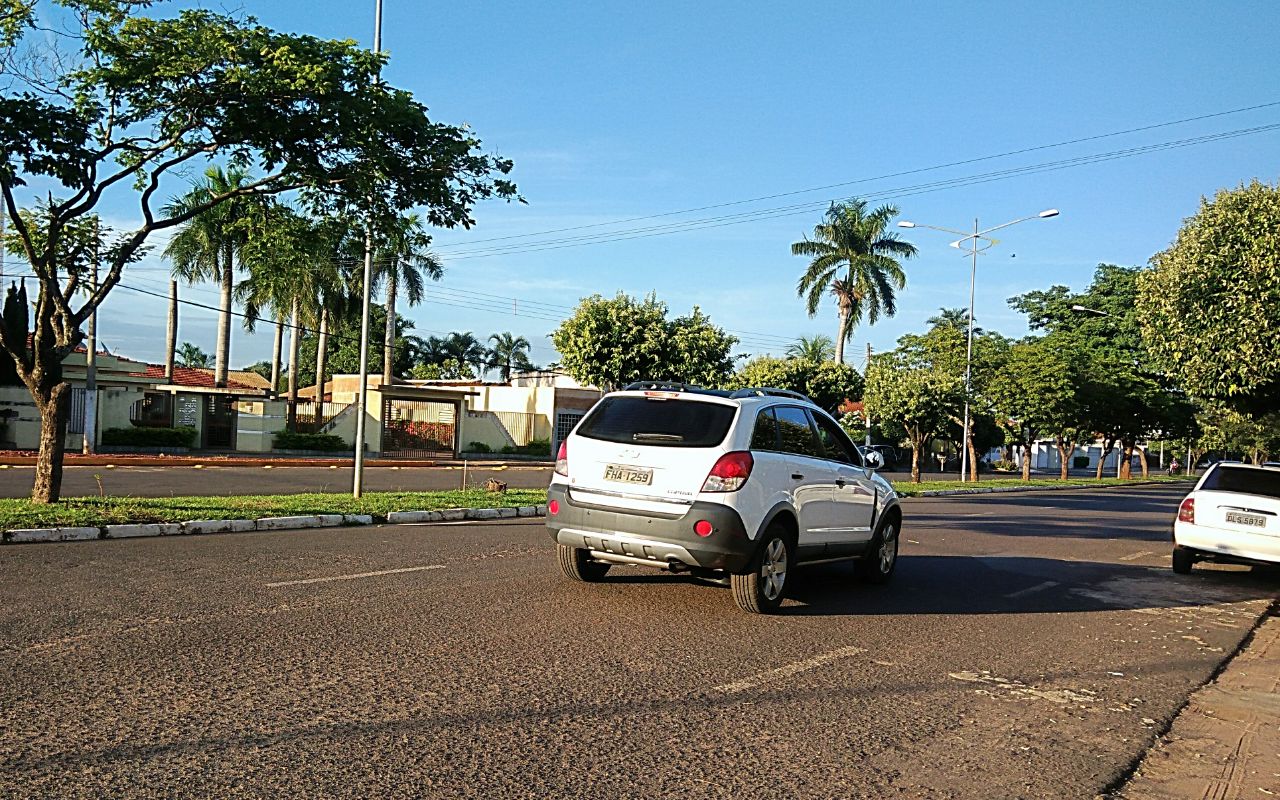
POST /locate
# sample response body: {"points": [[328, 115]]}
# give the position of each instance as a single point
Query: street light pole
{"points": [[977, 242], [362, 395]]}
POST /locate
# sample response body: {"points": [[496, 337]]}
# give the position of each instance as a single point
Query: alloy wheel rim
{"points": [[774, 569], [888, 549]]}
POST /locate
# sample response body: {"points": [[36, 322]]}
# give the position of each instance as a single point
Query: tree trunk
{"points": [[322, 354], [389, 336], [1026, 460], [915, 463], [841, 334], [1065, 449], [224, 323], [1142, 459], [1126, 460], [277, 347], [53, 404], [171, 338], [973, 457], [1107, 444], [295, 347]]}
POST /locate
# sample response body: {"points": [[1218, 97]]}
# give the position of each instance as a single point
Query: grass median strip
{"points": [[909, 489], [77, 511]]}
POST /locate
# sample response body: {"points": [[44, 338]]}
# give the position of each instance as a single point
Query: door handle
{"points": [[797, 476]]}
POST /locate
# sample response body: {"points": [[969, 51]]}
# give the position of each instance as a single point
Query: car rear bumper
{"points": [[1229, 544], [635, 537]]}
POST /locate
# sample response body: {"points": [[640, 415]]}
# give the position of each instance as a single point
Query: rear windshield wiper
{"points": [[657, 437]]}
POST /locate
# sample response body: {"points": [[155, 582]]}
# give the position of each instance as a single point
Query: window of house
{"points": [[154, 410]]}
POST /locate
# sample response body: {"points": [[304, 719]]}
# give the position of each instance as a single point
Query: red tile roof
{"points": [[189, 376]]}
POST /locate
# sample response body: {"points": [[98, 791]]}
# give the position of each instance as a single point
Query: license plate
{"points": [[622, 474], [1253, 520]]}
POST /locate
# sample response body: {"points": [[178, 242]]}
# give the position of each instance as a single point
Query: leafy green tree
{"points": [[957, 318], [1034, 394], [189, 355], [148, 98], [616, 341], [1213, 301], [509, 353], [816, 349], [858, 244], [828, 383], [916, 401], [449, 369], [344, 346], [402, 260]]}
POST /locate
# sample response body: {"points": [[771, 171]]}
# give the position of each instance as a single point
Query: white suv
{"points": [[1233, 515], [745, 484]]}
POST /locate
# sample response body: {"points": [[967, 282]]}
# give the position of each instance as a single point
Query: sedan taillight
{"points": [[562, 459], [1187, 511], [730, 472]]}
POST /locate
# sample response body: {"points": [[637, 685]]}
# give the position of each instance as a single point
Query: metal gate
{"points": [[418, 428]]}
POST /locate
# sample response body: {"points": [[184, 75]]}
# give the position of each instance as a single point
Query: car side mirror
{"points": [[872, 459]]}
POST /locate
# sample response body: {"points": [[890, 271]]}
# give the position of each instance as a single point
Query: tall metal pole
{"points": [[362, 397], [90, 436], [865, 416], [968, 360]]}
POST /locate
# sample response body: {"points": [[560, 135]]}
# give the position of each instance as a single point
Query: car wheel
{"points": [[882, 554], [760, 590], [1183, 560], [578, 565]]}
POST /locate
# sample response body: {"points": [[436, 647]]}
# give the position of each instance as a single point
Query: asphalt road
{"points": [[1031, 645], [169, 481]]}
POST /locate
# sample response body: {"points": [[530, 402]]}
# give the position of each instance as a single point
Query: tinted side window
{"points": [[765, 434], [835, 445], [658, 422], [795, 432]]}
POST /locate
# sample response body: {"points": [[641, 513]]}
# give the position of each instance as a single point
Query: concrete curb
{"points": [[198, 527]]}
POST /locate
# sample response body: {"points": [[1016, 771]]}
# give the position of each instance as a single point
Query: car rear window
{"points": [[1261, 482], [658, 422]]}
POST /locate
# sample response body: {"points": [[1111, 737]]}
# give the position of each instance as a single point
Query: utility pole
{"points": [[362, 396], [865, 416], [91, 369]]}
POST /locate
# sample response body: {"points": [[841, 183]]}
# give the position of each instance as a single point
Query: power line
{"points": [[916, 171], [809, 206]]}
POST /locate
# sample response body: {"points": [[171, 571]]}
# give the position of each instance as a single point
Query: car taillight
{"points": [[730, 472], [562, 459], [1187, 511]]}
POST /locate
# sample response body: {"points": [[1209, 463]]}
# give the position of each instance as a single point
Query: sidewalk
{"points": [[1225, 743]]}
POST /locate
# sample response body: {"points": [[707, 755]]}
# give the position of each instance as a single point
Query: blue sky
{"points": [[620, 110]]}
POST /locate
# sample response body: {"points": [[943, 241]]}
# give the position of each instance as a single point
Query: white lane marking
{"points": [[788, 670], [1039, 587], [1136, 556], [354, 577], [980, 514]]}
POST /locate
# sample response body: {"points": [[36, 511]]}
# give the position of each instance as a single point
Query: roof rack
{"points": [[770, 391], [640, 386]]}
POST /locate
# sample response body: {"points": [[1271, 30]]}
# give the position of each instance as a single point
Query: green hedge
{"points": [[308, 441], [150, 437]]}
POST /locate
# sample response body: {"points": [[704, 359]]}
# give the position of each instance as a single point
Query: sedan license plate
{"points": [[1253, 520], [624, 474]]}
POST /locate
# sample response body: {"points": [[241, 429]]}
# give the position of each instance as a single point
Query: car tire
{"points": [[760, 591], [577, 564], [878, 564], [1183, 560]]}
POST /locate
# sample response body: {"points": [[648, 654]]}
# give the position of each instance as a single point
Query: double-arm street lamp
{"points": [[972, 244]]}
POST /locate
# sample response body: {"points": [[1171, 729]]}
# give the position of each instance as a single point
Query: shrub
{"points": [[537, 447], [149, 437], [325, 442], [507, 449], [479, 447], [1004, 465]]}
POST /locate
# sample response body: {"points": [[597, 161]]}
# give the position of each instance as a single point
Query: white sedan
{"points": [[1232, 516]]}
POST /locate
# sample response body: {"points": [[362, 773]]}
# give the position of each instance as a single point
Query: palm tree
{"points": [[509, 352], [403, 259], [466, 349], [957, 318], [816, 349], [852, 239], [191, 356], [206, 247]]}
